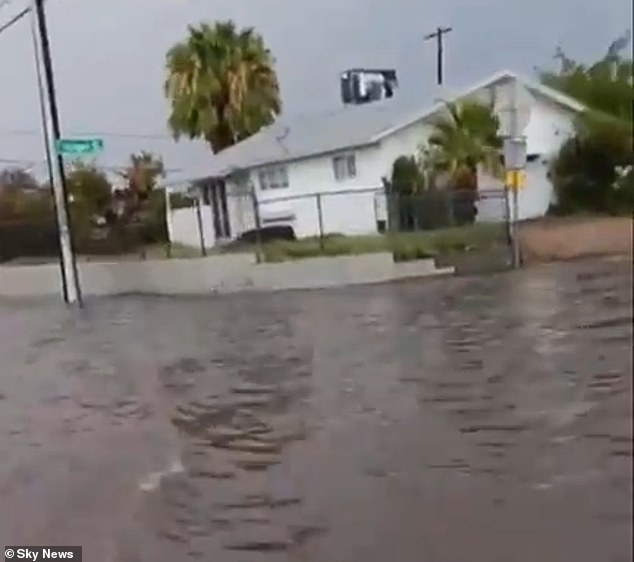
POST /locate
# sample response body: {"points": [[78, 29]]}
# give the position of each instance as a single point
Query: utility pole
{"points": [[70, 278], [45, 136], [438, 36]]}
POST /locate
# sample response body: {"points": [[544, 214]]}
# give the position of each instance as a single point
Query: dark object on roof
{"points": [[364, 85]]}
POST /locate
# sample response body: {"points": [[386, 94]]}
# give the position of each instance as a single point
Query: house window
{"points": [[344, 166], [274, 177]]}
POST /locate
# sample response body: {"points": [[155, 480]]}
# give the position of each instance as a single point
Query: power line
{"points": [[14, 19], [106, 167], [112, 134], [35, 162], [19, 161], [25, 132]]}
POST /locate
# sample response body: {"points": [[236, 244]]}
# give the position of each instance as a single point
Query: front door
{"points": [[217, 195]]}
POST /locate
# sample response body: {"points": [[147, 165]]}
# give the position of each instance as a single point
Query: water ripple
{"points": [[339, 425]]}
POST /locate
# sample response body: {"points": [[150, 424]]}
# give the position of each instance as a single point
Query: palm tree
{"points": [[141, 177], [135, 213], [142, 173], [464, 138], [221, 85]]}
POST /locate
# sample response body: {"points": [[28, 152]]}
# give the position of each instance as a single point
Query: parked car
{"points": [[269, 233]]}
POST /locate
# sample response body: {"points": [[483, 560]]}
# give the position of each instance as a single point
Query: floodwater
{"points": [[486, 419]]}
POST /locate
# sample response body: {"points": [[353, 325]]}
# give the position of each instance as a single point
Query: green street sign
{"points": [[78, 147]]}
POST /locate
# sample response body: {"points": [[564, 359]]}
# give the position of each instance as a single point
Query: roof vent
{"points": [[365, 85]]}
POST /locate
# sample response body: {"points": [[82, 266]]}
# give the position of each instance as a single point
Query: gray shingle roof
{"points": [[285, 140], [347, 127]]}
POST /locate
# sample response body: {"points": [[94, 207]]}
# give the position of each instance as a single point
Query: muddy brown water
{"points": [[484, 419]]}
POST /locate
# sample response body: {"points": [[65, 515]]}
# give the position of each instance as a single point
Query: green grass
{"points": [[405, 246]]}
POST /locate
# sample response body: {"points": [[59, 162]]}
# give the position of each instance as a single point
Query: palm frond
{"points": [[463, 138], [221, 84]]}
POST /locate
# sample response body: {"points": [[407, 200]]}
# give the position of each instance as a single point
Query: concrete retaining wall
{"points": [[217, 274]]}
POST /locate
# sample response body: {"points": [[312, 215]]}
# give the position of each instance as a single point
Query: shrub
{"points": [[411, 250], [587, 170], [464, 207], [28, 239], [621, 199], [407, 177]]}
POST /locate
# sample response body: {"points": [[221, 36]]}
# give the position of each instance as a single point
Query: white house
{"points": [[344, 154]]}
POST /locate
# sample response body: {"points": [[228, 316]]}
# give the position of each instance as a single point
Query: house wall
{"points": [[548, 127], [240, 206], [347, 207], [354, 212], [183, 228]]}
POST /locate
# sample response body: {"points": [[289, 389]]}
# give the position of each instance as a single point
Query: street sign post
{"points": [[515, 179], [79, 147], [513, 108], [515, 162]]}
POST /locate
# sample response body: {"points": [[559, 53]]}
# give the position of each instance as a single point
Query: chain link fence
{"points": [[466, 229], [463, 228], [348, 212]]}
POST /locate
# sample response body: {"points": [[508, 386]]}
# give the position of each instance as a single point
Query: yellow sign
{"points": [[515, 179]]}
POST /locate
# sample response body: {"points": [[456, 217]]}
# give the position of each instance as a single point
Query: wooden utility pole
{"points": [[70, 277], [438, 36]]}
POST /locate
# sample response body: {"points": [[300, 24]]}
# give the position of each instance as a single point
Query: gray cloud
{"points": [[109, 55]]}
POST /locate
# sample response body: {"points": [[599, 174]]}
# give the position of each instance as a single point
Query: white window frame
{"points": [[273, 177], [344, 166]]}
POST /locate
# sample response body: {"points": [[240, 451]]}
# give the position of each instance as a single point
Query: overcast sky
{"points": [[109, 55]]}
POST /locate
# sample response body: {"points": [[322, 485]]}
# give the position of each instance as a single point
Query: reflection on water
{"points": [[479, 418]]}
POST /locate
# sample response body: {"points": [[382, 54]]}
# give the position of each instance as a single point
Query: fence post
{"points": [[321, 223], [510, 235], [516, 227], [168, 223], [389, 205], [259, 257], [201, 233], [450, 198]]}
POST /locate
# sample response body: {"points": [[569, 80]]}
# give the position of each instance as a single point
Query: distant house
{"points": [[344, 154]]}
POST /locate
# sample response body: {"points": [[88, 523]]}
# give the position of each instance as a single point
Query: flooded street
{"points": [[486, 419]]}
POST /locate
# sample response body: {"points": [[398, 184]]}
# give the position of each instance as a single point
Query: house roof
{"points": [[352, 127]]}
